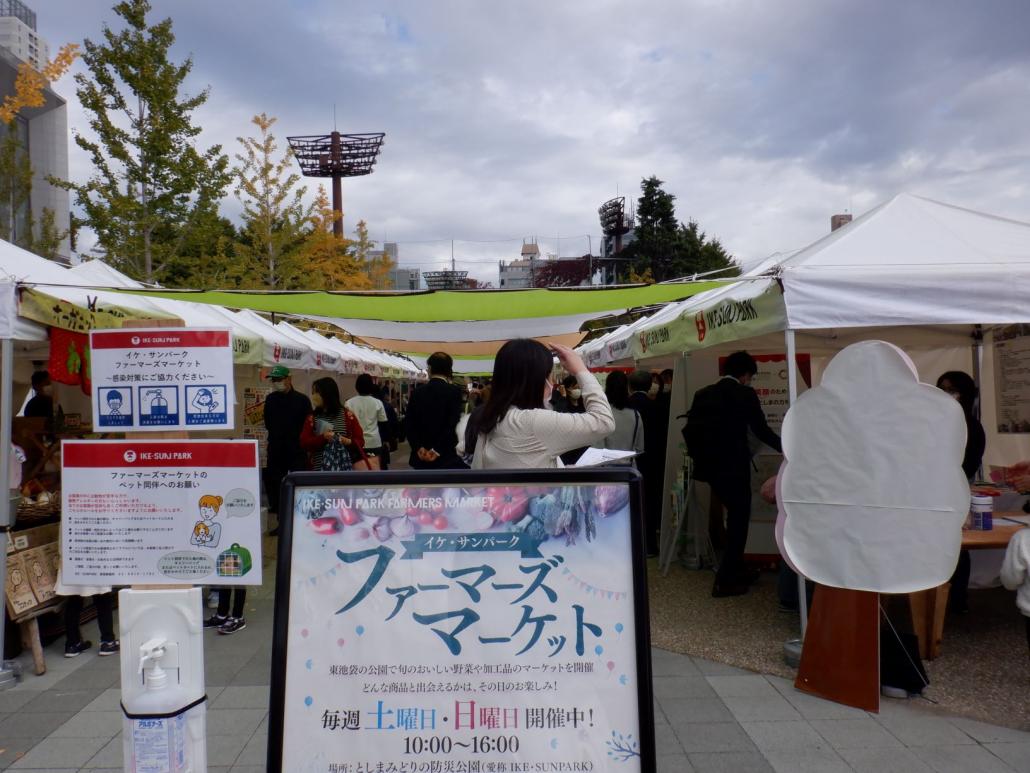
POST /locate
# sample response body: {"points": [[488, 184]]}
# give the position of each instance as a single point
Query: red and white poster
{"points": [[160, 512], [158, 379]]}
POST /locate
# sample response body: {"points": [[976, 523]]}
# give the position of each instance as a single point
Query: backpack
{"points": [[705, 429]]}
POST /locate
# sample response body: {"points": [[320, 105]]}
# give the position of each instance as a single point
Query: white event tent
{"points": [[935, 279]]}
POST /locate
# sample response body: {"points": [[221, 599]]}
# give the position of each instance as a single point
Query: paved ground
{"points": [[710, 717]]}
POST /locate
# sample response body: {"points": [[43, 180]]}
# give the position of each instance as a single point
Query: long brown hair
{"points": [[521, 368]]}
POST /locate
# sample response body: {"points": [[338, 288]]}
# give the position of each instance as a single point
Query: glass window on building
{"points": [[14, 224]]}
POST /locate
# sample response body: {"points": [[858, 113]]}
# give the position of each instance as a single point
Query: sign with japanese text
{"points": [[160, 512], [467, 621], [1012, 378], [157, 379]]}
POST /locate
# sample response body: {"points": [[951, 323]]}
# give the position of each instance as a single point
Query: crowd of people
{"points": [[521, 418]]}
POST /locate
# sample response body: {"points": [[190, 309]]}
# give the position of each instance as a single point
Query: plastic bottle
{"points": [[158, 742], [982, 508]]}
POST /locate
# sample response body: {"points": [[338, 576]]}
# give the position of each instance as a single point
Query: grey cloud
{"points": [[512, 119]]}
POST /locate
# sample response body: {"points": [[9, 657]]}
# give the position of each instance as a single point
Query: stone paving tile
{"points": [[807, 760], [811, 707], [686, 710], [914, 730], [666, 742], [60, 753], [729, 762], [884, 761], [985, 733], [234, 721], [961, 759], [91, 724], [110, 756], [224, 749], [108, 700], [255, 752], [671, 664], [784, 735], [241, 697], [13, 699], [60, 700], [33, 725], [711, 668], [245, 769], [750, 686], [676, 763], [12, 748], [90, 678], [682, 687], [855, 734], [714, 737], [764, 707], [1016, 755]]}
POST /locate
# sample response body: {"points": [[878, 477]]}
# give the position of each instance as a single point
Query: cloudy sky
{"points": [[515, 120]]}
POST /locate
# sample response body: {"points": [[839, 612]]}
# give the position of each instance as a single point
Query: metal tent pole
{"points": [[7, 677], [792, 391]]}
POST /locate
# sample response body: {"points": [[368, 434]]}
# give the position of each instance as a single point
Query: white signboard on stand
{"points": [[463, 621], [160, 512], [161, 379]]}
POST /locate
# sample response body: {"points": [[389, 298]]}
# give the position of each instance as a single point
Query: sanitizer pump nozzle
{"points": [[152, 651]]}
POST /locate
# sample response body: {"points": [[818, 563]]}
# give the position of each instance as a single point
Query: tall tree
{"points": [[149, 181], [378, 265], [664, 248], [275, 216], [330, 263]]}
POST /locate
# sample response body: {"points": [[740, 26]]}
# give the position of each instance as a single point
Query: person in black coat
{"points": [[962, 387], [735, 412], [651, 463], [431, 420], [285, 410]]}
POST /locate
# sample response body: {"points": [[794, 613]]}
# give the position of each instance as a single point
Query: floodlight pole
{"points": [[335, 151]]}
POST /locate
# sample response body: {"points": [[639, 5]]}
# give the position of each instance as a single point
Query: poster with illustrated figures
{"points": [[158, 379], [488, 624], [160, 512]]}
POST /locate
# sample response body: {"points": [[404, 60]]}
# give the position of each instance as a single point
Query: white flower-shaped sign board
{"points": [[871, 493]]}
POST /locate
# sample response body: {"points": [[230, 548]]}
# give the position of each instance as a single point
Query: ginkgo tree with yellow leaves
{"points": [[286, 242], [16, 173]]}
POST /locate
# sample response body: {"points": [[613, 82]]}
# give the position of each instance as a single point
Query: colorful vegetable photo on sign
{"points": [[476, 625]]}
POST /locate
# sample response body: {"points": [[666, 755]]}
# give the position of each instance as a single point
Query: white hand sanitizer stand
{"points": [[163, 693]]}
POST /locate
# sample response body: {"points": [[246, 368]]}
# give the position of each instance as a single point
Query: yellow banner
{"points": [[48, 310]]}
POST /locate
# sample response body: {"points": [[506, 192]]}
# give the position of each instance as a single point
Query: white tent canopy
{"points": [[910, 262]]}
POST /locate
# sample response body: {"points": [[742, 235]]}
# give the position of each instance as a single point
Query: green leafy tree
{"points": [[150, 183], [665, 248], [207, 258], [276, 220]]}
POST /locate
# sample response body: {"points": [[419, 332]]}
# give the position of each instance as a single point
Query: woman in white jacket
{"points": [[515, 430]]}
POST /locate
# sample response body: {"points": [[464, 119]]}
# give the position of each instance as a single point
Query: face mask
{"points": [[548, 392], [278, 386], [575, 394], [316, 400], [46, 390], [653, 391]]}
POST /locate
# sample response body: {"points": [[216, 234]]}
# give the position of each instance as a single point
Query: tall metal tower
{"points": [[337, 155]]}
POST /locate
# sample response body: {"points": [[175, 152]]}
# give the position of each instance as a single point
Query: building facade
{"points": [[520, 274], [42, 131]]}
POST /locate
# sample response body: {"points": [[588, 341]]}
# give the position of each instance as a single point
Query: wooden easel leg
{"points": [[840, 659], [30, 640]]}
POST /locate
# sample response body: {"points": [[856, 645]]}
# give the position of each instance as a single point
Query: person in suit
{"points": [[651, 462], [733, 410], [432, 418]]}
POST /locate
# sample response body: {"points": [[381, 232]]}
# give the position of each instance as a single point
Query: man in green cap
{"points": [[285, 412]]}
